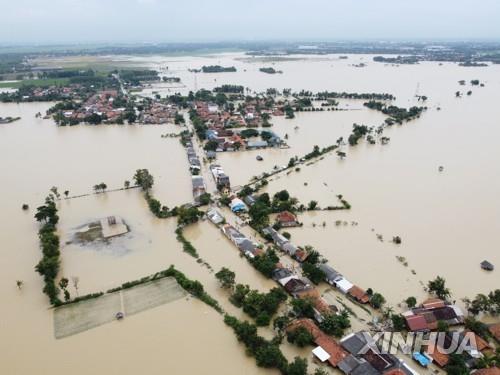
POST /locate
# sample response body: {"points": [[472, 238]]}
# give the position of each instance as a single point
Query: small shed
{"points": [[487, 266]]}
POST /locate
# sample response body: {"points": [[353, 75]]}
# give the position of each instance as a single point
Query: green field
{"points": [[34, 82]]}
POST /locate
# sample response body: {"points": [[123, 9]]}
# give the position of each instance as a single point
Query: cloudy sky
{"points": [[56, 21]]}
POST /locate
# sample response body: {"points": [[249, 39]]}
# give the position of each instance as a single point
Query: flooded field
{"points": [[448, 220]]}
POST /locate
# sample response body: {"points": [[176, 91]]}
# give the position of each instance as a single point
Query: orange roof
{"points": [[395, 371], [359, 294], [481, 343], [329, 345], [433, 303], [488, 371], [495, 330], [286, 217], [439, 358]]}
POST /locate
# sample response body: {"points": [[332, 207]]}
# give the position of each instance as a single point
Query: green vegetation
{"points": [[226, 278], [300, 336], [395, 114], [411, 302], [217, 69], [335, 324], [186, 245], [230, 89], [489, 304], [260, 306], [270, 70], [266, 353], [266, 263], [48, 267], [143, 179], [438, 287]]}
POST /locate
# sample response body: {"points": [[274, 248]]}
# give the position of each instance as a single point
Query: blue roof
{"points": [[421, 359]]}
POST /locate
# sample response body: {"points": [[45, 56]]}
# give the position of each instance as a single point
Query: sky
{"points": [[135, 21]]}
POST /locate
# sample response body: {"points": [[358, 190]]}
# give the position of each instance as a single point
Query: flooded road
{"points": [[449, 221]]}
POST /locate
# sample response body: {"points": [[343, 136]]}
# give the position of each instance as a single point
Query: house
{"points": [[301, 255], [256, 144], [198, 187], [250, 200], [358, 294], [344, 285], [246, 246], [287, 219], [214, 216], [426, 317], [281, 273], [211, 155], [416, 323], [295, 286], [331, 276], [237, 205], [365, 358], [327, 344], [487, 266]]}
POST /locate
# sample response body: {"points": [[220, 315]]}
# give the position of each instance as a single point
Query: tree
{"points": [[96, 188], [126, 184], [205, 199], [398, 322], [297, 367], [143, 179], [438, 287], [411, 302], [377, 300], [312, 205], [300, 336], [270, 355], [442, 326], [66, 193], [226, 278], [456, 365], [303, 307], [341, 154], [103, 186], [19, 284], [313, 272], [335, 324]]}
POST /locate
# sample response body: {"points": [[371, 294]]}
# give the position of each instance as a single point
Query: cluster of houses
{"points": [[425, 318], [348, 354], [332, 276], [199, 187], [221, 178], [158, 113], [220, 124], [100, 104], [246, 246]]}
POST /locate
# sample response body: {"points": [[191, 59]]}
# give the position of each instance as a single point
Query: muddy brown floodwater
{"points": [[449, 221]]}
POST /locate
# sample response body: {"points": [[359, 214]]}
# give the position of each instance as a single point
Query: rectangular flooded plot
{"points": [[82, 316], [147, 296]]}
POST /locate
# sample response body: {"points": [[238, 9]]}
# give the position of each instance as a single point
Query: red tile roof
{"points": [[433, 303], [416, 323], [329, 345], [488, 371], [286, 217], [495, 330], [359, 294]]}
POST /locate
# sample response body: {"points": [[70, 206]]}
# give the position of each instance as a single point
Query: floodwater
{"points": [[448, 221]]}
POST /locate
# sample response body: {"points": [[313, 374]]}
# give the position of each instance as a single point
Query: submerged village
{"points": [[320, 312]]}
